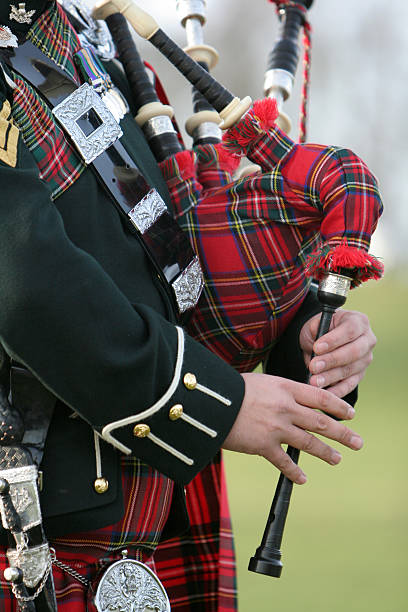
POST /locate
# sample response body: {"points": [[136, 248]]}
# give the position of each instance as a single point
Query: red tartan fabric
{"points": [[198, 568], [253, 236], [58, 162], [147, 496]]}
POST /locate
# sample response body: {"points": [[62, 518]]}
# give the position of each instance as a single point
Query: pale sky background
{"points": [[358, 84]]}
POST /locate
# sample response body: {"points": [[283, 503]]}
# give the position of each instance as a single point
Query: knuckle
{"points": [[345, 435], [347, 371], [308, 443], [350, 331], [323, 398], [284, 463], [321, 423]]}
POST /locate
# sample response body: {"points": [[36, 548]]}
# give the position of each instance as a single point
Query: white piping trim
{"points": [[106, 431], [170, 449], [213, 394], [198, 425], [98, 456]]}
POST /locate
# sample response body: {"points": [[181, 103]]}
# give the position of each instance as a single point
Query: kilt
{"points": [[197, 569], [147, 498]]}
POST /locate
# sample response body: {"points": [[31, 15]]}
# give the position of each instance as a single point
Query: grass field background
{"points": [[345, 546]]}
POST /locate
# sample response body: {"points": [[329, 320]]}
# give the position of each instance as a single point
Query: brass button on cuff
{"points": [[101, 485], [175, 412], [141, 430], [190, 381]]}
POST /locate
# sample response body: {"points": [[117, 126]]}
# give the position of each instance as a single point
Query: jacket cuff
{"points": [[181, 432]]}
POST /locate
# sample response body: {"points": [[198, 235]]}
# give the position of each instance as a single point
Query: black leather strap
{"points": [[165, 244]]}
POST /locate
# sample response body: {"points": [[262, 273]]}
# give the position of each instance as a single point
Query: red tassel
{"points": [[226, 159], [266, 112], [259, 119], [181, 164], [338, 259]]}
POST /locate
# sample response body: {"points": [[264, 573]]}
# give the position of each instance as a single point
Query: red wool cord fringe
{"points": [[342, 259], [259, 119]]}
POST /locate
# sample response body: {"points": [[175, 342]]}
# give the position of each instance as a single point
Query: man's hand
{"points": [[342, 355], [278, 411]]}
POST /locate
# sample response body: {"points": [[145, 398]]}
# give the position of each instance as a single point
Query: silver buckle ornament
{"points": [[188, 286], [78, 105], [147, 211], [130, 586]]}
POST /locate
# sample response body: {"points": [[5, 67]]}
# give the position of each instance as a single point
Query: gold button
{"points": [[101, 485], [141, 430], [175, 412], [190, 381]]}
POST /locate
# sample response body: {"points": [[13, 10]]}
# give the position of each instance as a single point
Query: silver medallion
{"points": [[20, 14], [79, 104], [7, 38], [130, 586]]}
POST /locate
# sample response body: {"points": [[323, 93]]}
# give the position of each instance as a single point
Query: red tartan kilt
{"points": [[198, 568]]}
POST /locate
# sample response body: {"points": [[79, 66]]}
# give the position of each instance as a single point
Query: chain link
{"points": [[68, 569]]}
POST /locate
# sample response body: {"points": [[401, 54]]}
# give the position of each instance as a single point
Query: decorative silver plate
{"points": [[147, 211], [24, 495], [188, 286], [80, 103], [130, 586], [32, 561]]}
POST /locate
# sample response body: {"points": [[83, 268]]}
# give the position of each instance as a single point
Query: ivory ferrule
{"points": [[151, 110], [233, 112], [142, 22], [198, 119], [204, 54]]}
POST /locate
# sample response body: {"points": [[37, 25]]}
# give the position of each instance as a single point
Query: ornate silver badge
{"points": [[188, 286], [130, 586], [83, 102], [24, 494], [20, 14], [147, 211], [7, 38], [32, 561]]}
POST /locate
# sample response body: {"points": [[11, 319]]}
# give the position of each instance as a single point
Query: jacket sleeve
{"points": [[138, 380]]}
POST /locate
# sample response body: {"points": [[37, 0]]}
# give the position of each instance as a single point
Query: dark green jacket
{"points": [[83, 310]]}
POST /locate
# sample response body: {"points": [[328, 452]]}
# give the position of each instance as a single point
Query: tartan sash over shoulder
{"points": [[58, 163]]}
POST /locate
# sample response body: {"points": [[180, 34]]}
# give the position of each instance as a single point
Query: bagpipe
{"points": [[308, 213]]}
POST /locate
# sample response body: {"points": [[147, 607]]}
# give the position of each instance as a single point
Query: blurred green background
{"points": [[345, 543]]}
